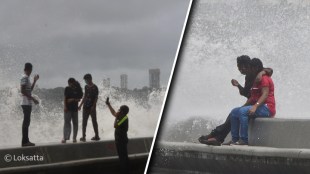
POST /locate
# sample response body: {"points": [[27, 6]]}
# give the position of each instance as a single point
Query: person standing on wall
{"points": [[89, 103], [73, 94], [27, 99], [121, 139]]}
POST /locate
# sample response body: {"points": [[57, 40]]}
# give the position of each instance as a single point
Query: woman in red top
{"points": [[260, 104]]}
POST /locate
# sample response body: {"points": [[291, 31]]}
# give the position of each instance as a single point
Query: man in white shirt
{"points": [[27, 99]]}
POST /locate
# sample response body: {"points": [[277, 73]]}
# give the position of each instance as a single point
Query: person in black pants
{"points": [[218, 135], [120, 134], [72, 95], [27, 99], [89, 103]]}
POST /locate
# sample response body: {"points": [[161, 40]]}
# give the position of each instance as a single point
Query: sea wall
{"points": [[89, 157], [275, 146]]}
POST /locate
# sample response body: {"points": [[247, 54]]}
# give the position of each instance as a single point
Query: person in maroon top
{"points": [[260, 104]]}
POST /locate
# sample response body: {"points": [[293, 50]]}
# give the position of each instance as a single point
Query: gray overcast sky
{"points": [[64, 38]]}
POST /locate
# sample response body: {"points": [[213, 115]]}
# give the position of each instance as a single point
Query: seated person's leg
{"points": [[244, 123], [217, 131], [223, 130], [234, 120], [262, 111], [218, 135]]}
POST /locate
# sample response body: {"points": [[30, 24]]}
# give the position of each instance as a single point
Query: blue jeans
{"points": [[239, 120]]}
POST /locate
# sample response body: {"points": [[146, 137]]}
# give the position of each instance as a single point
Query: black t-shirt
{"points": [[120, 133], [91, 94], [249, 80], [69, 94]]}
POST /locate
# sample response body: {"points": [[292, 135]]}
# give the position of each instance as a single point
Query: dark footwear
{"points": [[83, 139], [63, 141], [74, 141], [204, 138], [28, 144], [95, 138], [211, 142], [240, 143]]}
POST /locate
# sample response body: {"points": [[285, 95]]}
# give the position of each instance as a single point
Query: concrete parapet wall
{"points": [[65, 156], [277, 146], [230, 159], [282, 133]]}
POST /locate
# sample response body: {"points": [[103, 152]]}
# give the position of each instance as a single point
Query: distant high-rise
{"points": [[106, 83], [124, 81], [154, 75]]}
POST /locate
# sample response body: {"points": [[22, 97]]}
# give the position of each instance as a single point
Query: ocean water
{"points": [[47, 118]]}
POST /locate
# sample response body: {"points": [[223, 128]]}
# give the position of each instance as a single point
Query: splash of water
{"points": [[276, 31], [47, 117]]}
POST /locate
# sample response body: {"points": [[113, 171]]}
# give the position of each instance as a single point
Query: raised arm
{"points": [[35, 79], [110, 107], [242, 90], [236, 83], [266, 71]]}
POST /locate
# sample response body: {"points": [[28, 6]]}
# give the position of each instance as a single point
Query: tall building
{"points": [[124, 81], [154, 75], [106, 83]]}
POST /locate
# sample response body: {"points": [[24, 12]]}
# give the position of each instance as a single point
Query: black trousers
{"points": [[121, 146], [221, 131], [86, 113], [26, 122]]}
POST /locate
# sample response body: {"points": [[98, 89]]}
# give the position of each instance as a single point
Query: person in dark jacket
{"points": [[73, 94], [121, 140]]}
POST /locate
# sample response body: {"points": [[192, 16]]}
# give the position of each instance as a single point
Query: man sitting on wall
{"points": [[218, 135]]}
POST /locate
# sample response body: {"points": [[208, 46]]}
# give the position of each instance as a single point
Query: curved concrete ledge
{"points": [[230, 159], [105, 162], [276, 132], [90, 157]]}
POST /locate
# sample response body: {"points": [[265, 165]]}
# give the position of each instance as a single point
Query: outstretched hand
{"points": [[36, 77], [107, 101], [35, 101], [234, 82]]}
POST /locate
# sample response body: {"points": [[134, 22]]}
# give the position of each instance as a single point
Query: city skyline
{"points": [[124, 80], [106, 82]]}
